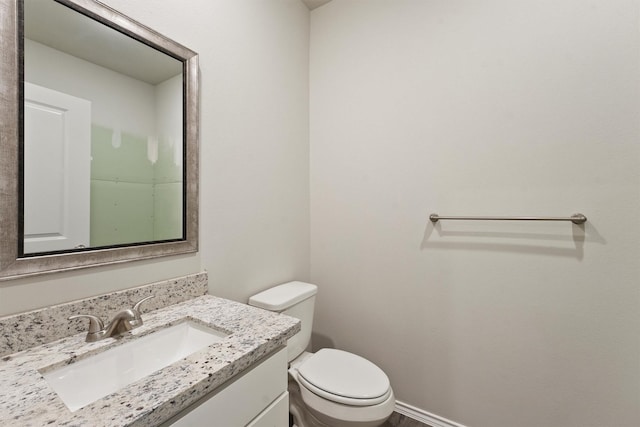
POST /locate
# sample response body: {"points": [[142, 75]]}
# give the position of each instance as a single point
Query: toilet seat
{"points": [[345, 378]]}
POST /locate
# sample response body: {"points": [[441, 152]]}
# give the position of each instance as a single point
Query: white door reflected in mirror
{"points": [[57, 150]]}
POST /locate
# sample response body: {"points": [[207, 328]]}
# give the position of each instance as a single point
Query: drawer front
{"points": [[276, 415], [239, 401]]}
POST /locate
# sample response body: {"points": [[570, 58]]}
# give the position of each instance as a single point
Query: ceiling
{"points": [[312, 4], [61, 28]]}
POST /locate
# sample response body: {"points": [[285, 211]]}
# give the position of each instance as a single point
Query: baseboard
{"points": [[424, 416]]}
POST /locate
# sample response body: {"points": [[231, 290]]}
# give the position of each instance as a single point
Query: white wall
{"points": [[117, 101], [495, 107], [254, 193], [169, 107]]}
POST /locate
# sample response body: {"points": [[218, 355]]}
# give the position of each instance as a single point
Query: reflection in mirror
{"points": [[103, 135], [116, 105]]}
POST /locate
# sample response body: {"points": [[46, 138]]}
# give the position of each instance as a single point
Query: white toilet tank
{"points": [[295, 299]]}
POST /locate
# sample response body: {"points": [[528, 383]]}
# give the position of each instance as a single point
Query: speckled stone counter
{"points": [[27, 399], [25, 330]]}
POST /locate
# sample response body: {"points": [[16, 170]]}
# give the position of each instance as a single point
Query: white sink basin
{"points": [[90, 379]]}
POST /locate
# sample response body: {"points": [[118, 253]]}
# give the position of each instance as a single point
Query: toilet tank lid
{"points": [[283, 296]]}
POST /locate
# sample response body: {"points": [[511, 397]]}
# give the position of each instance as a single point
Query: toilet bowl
{"points": [[340, 389], [332, 387]]}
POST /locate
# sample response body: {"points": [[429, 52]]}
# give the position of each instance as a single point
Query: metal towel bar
{"points": [[575, 218]]}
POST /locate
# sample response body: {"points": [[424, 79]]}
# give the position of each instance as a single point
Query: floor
{"points": [[397, 420]]}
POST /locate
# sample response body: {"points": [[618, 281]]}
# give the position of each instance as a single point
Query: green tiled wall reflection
{"points": [[167, 211], [132, 199], [127, 163], [165, 169], [121, 212]]}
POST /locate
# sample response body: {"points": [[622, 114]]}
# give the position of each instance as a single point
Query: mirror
{"points": [[99, 150]]}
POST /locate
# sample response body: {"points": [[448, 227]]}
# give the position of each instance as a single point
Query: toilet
{"points": [[332, 387]]}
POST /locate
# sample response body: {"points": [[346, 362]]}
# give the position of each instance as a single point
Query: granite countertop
{"points": [[27, 399]]}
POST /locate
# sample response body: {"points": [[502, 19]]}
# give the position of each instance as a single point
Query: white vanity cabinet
{"points": [[257, 397]]}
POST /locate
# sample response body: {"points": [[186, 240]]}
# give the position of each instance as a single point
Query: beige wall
{"points": [[494, 107], [254, 193]]}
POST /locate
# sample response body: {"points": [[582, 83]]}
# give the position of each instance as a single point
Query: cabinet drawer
{"points": [[276, 415], [237, 402]]}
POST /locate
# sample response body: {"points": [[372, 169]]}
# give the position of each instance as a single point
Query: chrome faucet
{"points": [[122, 322]]}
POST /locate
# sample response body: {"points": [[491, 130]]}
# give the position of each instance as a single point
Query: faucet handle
{"points": [[95, 323], [137, 320], [137, 305]]}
